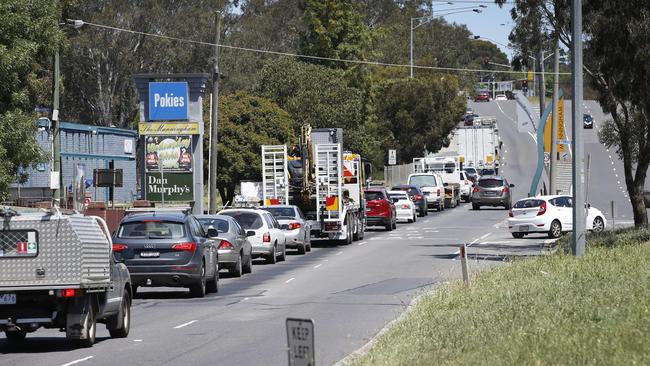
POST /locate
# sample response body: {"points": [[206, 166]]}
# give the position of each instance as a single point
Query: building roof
{"points": [[98, 130]]}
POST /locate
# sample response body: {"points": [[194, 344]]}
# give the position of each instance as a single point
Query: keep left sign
{"points": [[168, 101]]}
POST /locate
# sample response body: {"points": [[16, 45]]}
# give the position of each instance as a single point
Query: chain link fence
{"points": [[18, 243], [397, 174]]}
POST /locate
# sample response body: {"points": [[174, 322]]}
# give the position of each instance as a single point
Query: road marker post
{"points": [[613, 217], [300, 342], [463, 263]]}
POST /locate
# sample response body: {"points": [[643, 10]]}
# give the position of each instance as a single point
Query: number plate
{"points": [[149, 254], [7, 299], [523, 228]]}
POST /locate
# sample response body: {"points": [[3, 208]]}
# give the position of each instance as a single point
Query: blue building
{"points": [[95, 147]]}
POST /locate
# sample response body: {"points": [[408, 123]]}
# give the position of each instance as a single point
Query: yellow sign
{"points": [[461, 159], [168, 128], [530, 76], [489, 158], [561, 132]]}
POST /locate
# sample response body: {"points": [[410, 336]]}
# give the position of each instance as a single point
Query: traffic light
{"points": [[524, 85]]}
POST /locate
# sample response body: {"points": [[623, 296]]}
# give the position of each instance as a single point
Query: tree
{"points": [[29, 34], [246, 123], [419, 113]]}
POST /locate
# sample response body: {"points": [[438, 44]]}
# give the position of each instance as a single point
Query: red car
{"points": [[482, 97], [380, 210]]}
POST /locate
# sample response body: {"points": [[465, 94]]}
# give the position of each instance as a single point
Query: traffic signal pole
{"points": [[578, 174]]}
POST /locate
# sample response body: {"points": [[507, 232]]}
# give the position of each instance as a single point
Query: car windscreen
{"points": [[470, 170], [423, 180], [487, 172], [247, 220], [490, 183], [152, 229], [281, 211], [221, 225], [372, 196], [529, 203]]}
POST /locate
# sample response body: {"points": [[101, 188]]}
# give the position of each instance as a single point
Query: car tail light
{"points": [[476, 190], [119, 247], [69, 292], [542, 209], [225, 244], [405, 206], [294, 226], [266, 238], [185, 247], [418, 197], [510, 214], [505, 189], [438, 191], [331, 226]]}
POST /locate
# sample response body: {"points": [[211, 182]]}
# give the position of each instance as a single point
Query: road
{"points": [[351, 292]]}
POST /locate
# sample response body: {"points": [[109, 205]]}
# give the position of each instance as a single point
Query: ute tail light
{"points": [[476, 190], [119, 247], [185, 247], [510, 214], [266, 238], [542, 209], [438, 191], [405, 206], [418, 197], [294, 226], [69, 292], [505, 189], [225, 244]]}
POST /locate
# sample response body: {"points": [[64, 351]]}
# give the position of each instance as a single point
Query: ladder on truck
{"points": [[275, 176], [329, 167]]}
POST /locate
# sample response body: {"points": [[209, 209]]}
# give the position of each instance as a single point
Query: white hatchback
{"points": [[404, 207], [552, 215], [264, 233]]}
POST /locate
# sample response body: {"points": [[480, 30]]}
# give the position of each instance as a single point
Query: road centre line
{"points": [[185, 324], [289, 280], [339, 253], [318, 265], [362, 243], [78, 361]]}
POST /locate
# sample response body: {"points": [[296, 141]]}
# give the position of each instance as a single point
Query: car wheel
{"points": [[120, 323], [87, 327], [395, 224], [282, 257], [389, 226], [248, 266], [517, 235], [308, 241], [270, 259], [198, 289], [302, 249], [476, 206], [415, 218], [237, 270], [556, 230], [212, 286], [598, 225], [15, 336]]}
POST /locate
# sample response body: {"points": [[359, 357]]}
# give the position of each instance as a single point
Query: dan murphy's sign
{"points": [[168, 101], [169, 187]]}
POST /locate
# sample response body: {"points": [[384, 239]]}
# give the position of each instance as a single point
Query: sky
{"points": [[487, 24]]}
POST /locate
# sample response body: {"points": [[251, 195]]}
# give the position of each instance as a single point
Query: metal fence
{"points": [[397, 174]]}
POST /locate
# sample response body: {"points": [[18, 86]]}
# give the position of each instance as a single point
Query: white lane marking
{"points": [[533, 136], [185, 324], [77, 361], [485, 236], [137, 340], [289, 280], [246, 298], [318, 265], [362, 243], [339, 253], [474, 242]]}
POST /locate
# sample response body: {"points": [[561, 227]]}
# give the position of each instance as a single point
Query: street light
{"points": [[428, 18]]}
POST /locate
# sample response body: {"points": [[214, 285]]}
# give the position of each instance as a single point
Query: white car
{"points": [[501, 97], [263, 231], [404, 207], [465, 187], [552, 215], [433, 188]]}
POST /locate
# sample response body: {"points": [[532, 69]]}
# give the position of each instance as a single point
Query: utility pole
{"points": [[215, 114], [56, 136], [540, 77], [554, 125], [579, 218], [411, 52]]}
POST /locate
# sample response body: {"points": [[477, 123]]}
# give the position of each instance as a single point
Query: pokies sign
{"points": [[168, 101]]}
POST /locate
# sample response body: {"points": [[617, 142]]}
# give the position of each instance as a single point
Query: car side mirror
{"points": [[284, 227], [512, 185], [445, 184], [212, 233], [250, 233], [588, 205]]}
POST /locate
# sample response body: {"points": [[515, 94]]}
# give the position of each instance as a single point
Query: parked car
{"points": [[588, 121], [167, 249], [235, 251], [482, 97], [551, 215], [296, 227], [472, 173], [510, 95], [416, 195], [488, 171], [263, 231], [500, 97], [465, 187], [432, 186], [404, 207], [492, 190], [380, 210]]}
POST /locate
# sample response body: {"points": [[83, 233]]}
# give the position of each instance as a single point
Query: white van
{"points": [[432, 186]]}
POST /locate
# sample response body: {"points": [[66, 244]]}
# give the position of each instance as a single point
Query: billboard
{"points": [[168, 153], [169, 187], [168, 101]]}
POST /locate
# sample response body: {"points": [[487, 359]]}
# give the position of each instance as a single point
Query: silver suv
{"points": [[492, 190]]}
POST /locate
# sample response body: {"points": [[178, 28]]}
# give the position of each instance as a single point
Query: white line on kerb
{"points": [[474, 242], [77, 361], [362, 243], [185, 324], [318, 265], [289, 280], [339, 253], [485, 236], [137, 340]]}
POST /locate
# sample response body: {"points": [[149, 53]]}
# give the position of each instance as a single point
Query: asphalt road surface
{"points": [[351, 292]]}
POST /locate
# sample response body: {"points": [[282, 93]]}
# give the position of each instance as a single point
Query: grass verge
{"points": [[550, 310]]}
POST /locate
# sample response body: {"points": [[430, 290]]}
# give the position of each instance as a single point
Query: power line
{"points": [[296, 55]]}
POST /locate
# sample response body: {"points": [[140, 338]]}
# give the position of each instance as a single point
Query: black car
{"points": [[168, 249], [588, 121], [416, 195], [472, 173]]}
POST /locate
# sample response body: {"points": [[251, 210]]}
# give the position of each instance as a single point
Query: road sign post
{"points": [[300, 342], [392, 157], [463, 263]]}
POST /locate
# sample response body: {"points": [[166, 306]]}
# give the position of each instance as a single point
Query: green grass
{"points": [[555, 310]]}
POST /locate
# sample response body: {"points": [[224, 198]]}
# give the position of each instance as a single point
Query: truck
{"points": [[447, 167], [324, 181], [57, 270]]}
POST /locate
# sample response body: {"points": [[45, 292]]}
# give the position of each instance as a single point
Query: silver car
{"points": [[235, 251], [263, 231], [492, 190], [295, 225]]}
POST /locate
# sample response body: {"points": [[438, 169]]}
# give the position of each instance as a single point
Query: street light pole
{"points": [[555, 121], [214, 143], [56, 136], [411, 52], [579, 219]]}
